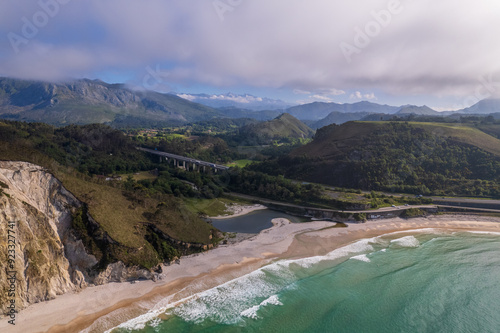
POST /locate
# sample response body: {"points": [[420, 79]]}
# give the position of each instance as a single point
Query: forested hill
{"points": [[420, 158], [141, 223], [282, 127]]}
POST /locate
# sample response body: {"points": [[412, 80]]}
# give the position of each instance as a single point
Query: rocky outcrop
{"points": [[49, 258], [118, 272]]}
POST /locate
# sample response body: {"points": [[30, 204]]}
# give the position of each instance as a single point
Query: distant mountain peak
{"points": [[320, 110], [485, 106], [283, 126], [417, 110]]}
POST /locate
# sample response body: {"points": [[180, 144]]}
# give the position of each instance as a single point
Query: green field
{"points": [[212, 207], [143, 175], [239, 163]]}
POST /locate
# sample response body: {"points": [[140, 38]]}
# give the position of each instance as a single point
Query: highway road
{"points": [[370, 211], [185, 159]]}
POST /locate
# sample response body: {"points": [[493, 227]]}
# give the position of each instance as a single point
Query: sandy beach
{"points": [[97, 309], [239, 210]]}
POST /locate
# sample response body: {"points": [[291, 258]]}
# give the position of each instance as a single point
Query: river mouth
{"points": [[254, 222]]}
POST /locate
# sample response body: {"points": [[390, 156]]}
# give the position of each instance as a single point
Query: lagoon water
{"points": [[253, 222], [426, 281]]}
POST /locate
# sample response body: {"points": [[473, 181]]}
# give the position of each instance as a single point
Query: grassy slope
{"points": [[121, 218], [340, 139], [284, 126], [349, 135], [288, 126], [213, 207], [491, 129], [465, 134], [355, 155], [240, 163]]}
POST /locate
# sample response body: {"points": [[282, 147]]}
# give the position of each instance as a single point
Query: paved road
{"points": [[371, 211], [467, 200], [185, 159], [475, 204], [480, 203]]}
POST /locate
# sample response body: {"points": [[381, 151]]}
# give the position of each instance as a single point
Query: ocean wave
{"points": [[232, 301], [226, 302], [252, 312], [361, 257], [237, 300], [363, 245], [407, 241]]}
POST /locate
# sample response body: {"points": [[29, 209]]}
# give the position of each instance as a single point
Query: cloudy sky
{"points": [[444, 53]]}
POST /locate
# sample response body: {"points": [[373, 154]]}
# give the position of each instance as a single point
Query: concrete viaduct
{"points": [[186, 163]]}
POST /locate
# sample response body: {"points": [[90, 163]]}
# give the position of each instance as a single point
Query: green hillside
{"points": [[93, 101], [420, 158], [136, 224], [339, 118], [282, 127]]}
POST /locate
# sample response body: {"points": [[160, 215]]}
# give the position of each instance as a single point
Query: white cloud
{"points": [[246, 99], [187, 96], [321, 98], [320, 95], [359, 95], [236, 98], [301, 92], [334, 92], [434, 48]]}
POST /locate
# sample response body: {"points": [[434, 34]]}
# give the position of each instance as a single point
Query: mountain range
{"points": [[93, 101], [319, 110]]}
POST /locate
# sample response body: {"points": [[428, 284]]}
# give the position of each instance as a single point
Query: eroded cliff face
{"points": [[49, 260]]}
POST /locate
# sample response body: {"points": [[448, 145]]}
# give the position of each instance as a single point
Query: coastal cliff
{"points": [[36, 221]]}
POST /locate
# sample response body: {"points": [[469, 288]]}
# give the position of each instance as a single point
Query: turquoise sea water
{"points": [[428, 281]]}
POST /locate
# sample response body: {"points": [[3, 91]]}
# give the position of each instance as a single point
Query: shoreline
{"points": [[239, 210], [96, 309]]}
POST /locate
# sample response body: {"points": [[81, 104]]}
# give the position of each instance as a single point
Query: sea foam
{"points": [[231, 301], [361, 257], [252, 312], [407, 241]]}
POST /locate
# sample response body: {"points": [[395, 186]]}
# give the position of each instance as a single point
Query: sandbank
{"points": [[239, 210]]}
